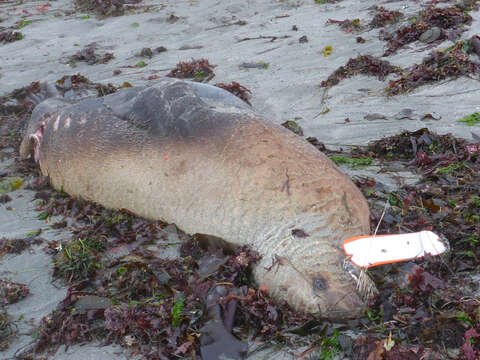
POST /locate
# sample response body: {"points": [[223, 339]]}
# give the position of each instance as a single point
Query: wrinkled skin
{"points": [[197, 156]]}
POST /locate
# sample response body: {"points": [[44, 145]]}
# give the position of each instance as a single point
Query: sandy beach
{"points": [[287, 38]]}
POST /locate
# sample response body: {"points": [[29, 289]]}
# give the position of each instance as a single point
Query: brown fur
{"points": [[228, 173]]}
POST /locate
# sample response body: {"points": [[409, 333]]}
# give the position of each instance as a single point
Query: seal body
{"points": [[195, 155]]}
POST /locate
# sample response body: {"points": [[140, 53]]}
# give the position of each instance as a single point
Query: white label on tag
{"points": [[368, 251]]}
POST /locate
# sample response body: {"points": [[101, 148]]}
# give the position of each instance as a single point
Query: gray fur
{"points": [[193, 155]]}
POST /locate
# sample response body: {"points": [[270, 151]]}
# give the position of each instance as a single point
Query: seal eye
{"points": [[319, 284]]}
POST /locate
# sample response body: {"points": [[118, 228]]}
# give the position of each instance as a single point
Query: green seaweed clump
{"points": [[471, 119], [10, 184], [10, 36], [352, 162], [78, 258]]}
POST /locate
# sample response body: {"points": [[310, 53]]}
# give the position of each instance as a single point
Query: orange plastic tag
{"points": [[368, 251]]}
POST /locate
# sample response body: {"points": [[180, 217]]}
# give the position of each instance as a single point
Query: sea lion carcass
{"points": [[197, 156]]}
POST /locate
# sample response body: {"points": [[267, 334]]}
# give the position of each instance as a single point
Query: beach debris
{"points": [[239, 22], [360, 40], [146, 52], [431, 35], [348, 26], [352, 162], [362, 64], [197, 70], [320, 2], [315, 142], [303, 39], [9, 36], [475, 44], [190, 47], [78, 258], [79, 85], [12, 292], [444, 201], [172, 18], [154, 305], [88, 55], [430, 116], [149, 53], [293, 127], [18, 245], [404, 114], [471, 120], [8, 184], [430, 25], [385, 17], [7, 331], [257, 65], [4, 198], [327, 50], [271, 38], [375, 116], [236, 89], [107, 7], [438, 65]]}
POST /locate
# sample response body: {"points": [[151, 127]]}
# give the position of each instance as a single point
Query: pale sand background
{"points": [[288, 89]]}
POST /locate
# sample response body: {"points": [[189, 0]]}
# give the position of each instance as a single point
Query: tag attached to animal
{"points": [[369, 251]]}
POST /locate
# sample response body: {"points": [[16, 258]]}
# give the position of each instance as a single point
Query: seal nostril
{"points": [[319, 284]]}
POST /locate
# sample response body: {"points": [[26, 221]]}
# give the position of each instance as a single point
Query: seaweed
{"points": [[9, 36], [362, 64], [423, 306], [7, 332], [236, 89], [441, 18], [385, 17], [88, 55], [439, 65], [327, 1], [198, 70], [12, 292], [124, 293], [293, 127], [471, 119], [348, 26], [107, 7], [81, 84], [156, 307], [17, 246]]}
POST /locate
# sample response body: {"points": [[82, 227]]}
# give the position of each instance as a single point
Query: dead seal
{"points": [[197, 156]]}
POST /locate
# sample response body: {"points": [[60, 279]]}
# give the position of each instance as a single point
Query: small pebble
{"points": [[404, 114], [431, 35], [303, 39], [375, 116]]}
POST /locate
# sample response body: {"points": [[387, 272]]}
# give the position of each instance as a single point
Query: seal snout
{"points": [[344, 304]]}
